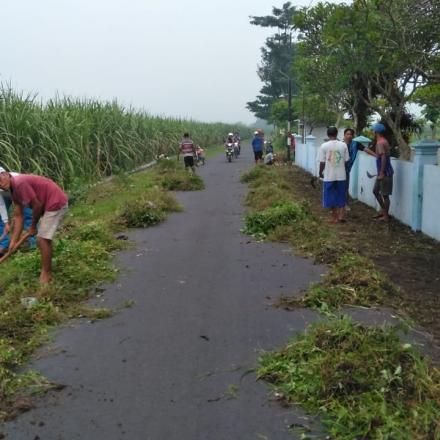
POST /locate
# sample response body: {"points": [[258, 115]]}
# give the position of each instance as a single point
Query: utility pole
{"points": [[289, 119], [303, 119]]}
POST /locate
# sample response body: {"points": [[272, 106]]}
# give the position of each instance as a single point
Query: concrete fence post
{"points": [[298, 149], [311, 154], [425, 153]]}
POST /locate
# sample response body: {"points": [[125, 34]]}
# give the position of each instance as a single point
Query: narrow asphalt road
{"points": [[178, 364]]}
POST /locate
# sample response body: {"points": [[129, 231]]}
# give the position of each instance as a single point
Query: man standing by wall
{"points": [[49, 205], [333, 156], [353, 148], [383, 187]]}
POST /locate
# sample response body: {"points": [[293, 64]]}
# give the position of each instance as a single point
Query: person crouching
{"points": [[49, 204]]}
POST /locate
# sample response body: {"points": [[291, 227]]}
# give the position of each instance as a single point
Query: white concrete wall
{"points": [[431, 201], [401, 199], [365, 185]]}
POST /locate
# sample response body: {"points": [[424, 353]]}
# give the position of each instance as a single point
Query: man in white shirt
{"points": [[333, 156]]}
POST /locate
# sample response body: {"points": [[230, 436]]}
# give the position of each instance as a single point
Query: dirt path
{"points": [[175, 365], [411, 260]]}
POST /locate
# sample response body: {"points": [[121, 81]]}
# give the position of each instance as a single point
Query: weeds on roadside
{"points": [[82, 259], [364, 381], [173, 177]]}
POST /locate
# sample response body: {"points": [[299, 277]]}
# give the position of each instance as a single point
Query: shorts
{"points": [[335, 194], [258, 155], [48, 224], [384, 186], [189, 161]]}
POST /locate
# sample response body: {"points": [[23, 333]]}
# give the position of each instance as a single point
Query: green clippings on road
{"points": [[352, 280], [363, 381], [267, 220], [278, 215], [176, 178], [82, 258]]}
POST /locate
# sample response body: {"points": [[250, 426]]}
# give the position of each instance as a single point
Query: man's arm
{"points": [[321, 169]]}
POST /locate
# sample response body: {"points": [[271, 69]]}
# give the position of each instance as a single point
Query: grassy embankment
{"points": [[363, 381], [73, 141]]}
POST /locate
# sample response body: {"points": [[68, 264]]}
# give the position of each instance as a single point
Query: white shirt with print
{"points": [[334, 153]]}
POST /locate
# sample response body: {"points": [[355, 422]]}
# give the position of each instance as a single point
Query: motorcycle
{"points": [[236, 149], [229, 151]]}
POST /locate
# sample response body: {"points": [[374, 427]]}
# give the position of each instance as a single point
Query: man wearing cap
{"points": [[5, 202], [383, 186], [49, 205], [333, 156]]}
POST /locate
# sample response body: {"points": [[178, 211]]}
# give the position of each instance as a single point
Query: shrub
{"points": [[265, 221]]}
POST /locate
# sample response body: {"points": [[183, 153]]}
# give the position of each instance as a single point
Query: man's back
{"points": [[334, 153], [257, 143], [187, 147]]}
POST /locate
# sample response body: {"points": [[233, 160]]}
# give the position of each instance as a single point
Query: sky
{"points": [[183, 58]]}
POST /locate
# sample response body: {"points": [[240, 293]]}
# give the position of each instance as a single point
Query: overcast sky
{"points": [[190, 58]]}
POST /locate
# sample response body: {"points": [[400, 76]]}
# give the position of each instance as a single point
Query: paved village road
{"points": [[175, 366]]}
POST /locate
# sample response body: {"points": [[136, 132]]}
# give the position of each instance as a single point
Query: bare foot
{"points": [[45, 278], [384, 218]]}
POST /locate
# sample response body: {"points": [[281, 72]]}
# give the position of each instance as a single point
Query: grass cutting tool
{"points": [[19, 243]]}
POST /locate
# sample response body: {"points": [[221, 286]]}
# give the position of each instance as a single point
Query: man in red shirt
{"points": [[188, 150], [49, 205]]}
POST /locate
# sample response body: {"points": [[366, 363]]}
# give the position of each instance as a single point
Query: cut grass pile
{"points": [[363, 381], [352, 280], [82, 260], [267, 220], [173, 177]]}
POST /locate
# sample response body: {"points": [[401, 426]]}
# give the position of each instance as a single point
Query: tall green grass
{"points": [[77, 140]]}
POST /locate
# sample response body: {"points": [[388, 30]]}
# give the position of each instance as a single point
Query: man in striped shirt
{"points": [[188, 150]]}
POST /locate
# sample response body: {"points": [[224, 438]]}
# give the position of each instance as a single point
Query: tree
{"points": [[320, 66], [313, 111], [429, 97], [276, 59], [379, 52]]}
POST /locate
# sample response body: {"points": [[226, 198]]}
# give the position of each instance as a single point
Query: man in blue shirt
{"points": [[257, 146], [353, 148]]}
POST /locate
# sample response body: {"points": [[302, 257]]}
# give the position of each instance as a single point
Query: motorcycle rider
{"points": [[237, 138]]}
